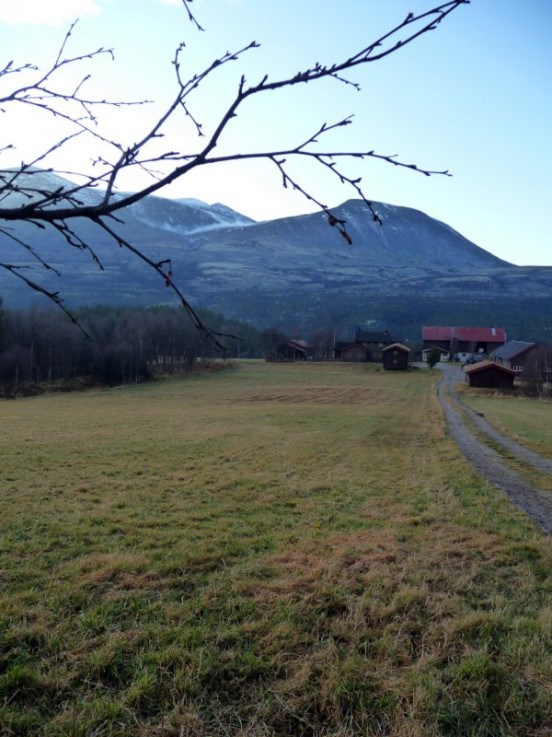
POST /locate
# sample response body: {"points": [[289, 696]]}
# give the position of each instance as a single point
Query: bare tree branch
{"points": [[167, 276], [52, 296], [21, 200], [191, 16]]}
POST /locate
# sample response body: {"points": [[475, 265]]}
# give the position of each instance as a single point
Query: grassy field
{"points": [[269, 550], [528, 421]]}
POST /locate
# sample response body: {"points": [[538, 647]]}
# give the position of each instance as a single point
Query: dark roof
{"points": [[300, 345], [483, 335], [366, 336], [399, 346], [485, 366], [511, 349], [356, 347]]}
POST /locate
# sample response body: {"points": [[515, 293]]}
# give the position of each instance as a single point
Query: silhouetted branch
{"points": [[52, 296], [23, 200], [167, 277], [191, 16]]}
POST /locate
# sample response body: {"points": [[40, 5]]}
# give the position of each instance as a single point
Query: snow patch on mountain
{"points": [[187, 217]]}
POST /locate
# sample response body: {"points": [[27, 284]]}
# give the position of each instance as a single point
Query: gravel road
{"points": [[536, 504]]}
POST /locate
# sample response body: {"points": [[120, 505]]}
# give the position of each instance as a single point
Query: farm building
{"points": [[463, 342], [489, 375], [395, 357], [538, 366], [367, 346], [296, 349], [354, 352], [515, 355], [291, 350], [444, 354]]}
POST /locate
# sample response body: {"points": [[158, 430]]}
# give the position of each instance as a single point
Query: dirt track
{"points": [[537, 504]]}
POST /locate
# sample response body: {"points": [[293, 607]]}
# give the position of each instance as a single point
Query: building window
{"points": [[519, 369]]}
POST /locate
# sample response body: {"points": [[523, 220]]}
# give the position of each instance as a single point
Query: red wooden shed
{"points": [[489, 375]]}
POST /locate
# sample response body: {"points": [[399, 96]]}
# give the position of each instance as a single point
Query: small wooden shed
{"points": [[489, 375], [395, 357]]}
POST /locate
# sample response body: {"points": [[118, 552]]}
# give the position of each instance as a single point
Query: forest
{"points": [[39, 347]]}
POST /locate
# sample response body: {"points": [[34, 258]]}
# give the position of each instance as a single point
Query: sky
{"points": [[473, 97]]}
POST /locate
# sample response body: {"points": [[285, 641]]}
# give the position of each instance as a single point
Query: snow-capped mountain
{"points": [[295, 270]]}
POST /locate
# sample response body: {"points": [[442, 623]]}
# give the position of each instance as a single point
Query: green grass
{"points": [[528, 421], [272, 550]]}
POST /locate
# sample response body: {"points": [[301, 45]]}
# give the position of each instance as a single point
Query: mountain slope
{"points": [[294, 270], [304, 250]]}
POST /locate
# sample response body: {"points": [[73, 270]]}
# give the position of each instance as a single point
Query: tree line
{"points": [[130, 345], [38, 346]]}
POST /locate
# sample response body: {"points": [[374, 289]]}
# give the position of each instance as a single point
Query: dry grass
{"points": [[275, 550]]}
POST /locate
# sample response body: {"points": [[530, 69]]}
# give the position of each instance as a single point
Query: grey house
{"points": [[515, 355]]}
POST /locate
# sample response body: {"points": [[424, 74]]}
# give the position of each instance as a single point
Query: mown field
{"points": [[268, 550]]}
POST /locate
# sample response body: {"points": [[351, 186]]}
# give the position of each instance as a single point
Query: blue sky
{"points": [[473, 97]]}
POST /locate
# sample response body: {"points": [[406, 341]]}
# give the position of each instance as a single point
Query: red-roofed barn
{"points": [[466, 341]]}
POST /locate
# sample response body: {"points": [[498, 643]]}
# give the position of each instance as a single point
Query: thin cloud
{"points": [[45, 12]]}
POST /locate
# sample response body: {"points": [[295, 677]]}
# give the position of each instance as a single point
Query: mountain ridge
{"points": [[294, 269]]}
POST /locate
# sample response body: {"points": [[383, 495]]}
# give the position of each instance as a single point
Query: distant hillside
{"points": [[293, 272]]}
